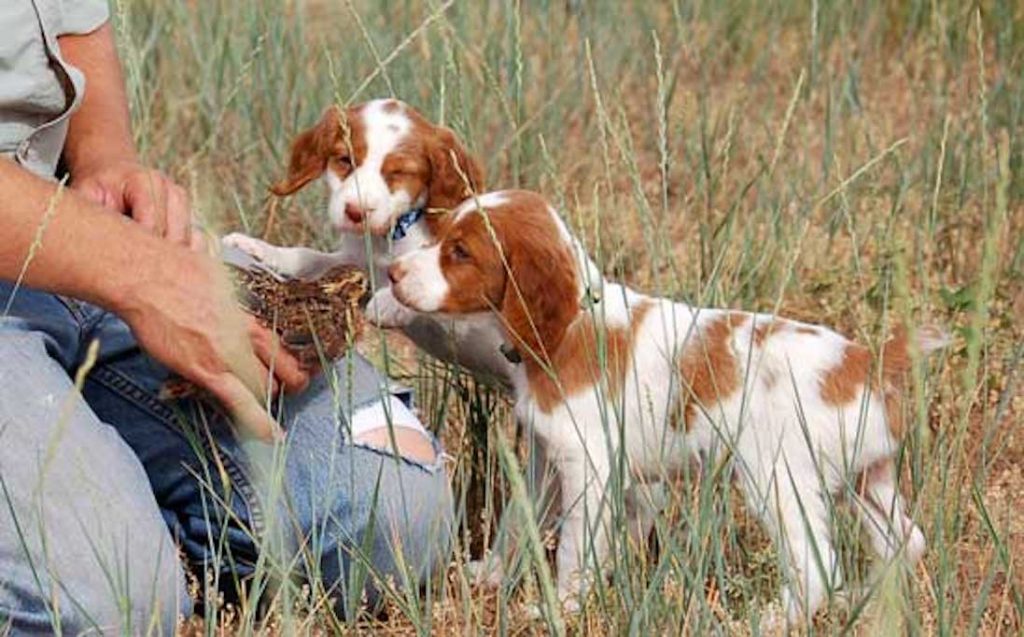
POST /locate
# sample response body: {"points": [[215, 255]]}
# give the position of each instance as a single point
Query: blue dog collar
{"points": [[406, 221]]}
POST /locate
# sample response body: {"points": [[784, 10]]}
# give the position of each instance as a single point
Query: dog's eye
{"points": [[459, 252], [395, 173]]}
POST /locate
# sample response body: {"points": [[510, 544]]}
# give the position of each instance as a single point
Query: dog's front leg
{"points": [[386, 312], [644, 502], [543, 488], [583, 542], [293, 262]]}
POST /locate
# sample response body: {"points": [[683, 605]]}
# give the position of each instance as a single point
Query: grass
{"points": [[853, 164]]}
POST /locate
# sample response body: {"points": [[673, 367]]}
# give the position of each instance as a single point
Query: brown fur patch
{"points": [[765, 329], [527, 271], [454, 174], [430, 163], [709, 370], [316, 149], [584, 355], [474, 253], [542, 289], [844, 383], [896, 362]]}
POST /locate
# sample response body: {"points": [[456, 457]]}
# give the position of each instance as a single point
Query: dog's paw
{"points": [[385, 311], [256, 248]]}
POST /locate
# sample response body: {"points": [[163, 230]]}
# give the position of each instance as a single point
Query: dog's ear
{"points": [[310, 152], [541, 296], [455, 174]]}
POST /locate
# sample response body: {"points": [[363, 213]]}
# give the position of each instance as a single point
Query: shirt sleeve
{"points": [[82, 16]]}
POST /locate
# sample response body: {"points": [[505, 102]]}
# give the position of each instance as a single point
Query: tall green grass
{"points": [[855, 164]]}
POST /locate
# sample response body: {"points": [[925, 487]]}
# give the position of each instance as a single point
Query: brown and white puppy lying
{"points": [[801, 410], [390, 174]]}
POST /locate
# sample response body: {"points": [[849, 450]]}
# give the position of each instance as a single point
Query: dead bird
{"points": [[317, 319]]}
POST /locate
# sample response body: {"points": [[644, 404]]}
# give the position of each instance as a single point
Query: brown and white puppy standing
{"points": [[390, 172], [800, 411]]}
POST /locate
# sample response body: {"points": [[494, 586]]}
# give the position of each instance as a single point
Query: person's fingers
{"points": [[145, 198], [202, 243], [285, 367], [179, 215], [96, 193], [245, 409], [247, 366]]}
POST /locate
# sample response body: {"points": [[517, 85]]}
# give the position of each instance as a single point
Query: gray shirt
{"points": [[38, 90]]}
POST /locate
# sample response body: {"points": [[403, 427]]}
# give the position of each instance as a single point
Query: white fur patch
{"points": [[365, 187], [590, 275], [487, 200], [385, 311], [789, 447], [423, 286]]}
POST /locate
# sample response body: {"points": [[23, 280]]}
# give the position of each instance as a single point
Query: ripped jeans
{"points": [[108, 496]]}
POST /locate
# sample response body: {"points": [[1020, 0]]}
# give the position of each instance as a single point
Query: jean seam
{"points": [[118, 382], [74, 308]]}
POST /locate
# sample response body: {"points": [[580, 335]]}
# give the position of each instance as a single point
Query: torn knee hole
{"points": [[409, 443]]}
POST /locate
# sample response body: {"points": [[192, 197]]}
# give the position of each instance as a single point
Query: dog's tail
{"points": [[897, 356], [899, 352]]}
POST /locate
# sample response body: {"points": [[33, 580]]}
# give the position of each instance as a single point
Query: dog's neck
{"points": [[406, 221], [595, 346], [583, 318]]}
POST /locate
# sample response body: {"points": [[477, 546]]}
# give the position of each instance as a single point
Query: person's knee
{"points": [[153, 601], [390, 425], [95, 555], [146, 571], [415, 530], [402, 537], [408, 443], [137, 592]]}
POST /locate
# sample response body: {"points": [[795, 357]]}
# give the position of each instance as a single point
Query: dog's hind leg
{"points": [[797, 515], [881, 509]]}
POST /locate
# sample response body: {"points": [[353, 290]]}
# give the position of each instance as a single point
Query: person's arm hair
{"points": [[83, 250], [176, 302]]}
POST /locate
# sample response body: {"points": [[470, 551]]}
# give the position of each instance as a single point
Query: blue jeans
{"points": [[108, 495]]}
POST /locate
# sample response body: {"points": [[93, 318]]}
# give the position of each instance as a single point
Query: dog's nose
{"points": [[354, 213], [395, 273]]}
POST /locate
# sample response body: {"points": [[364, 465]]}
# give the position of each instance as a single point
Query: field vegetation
{"points": [[856, 164]]}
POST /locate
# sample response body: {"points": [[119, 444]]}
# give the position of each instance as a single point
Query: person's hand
{"points": [[282, 365], [183, 314], [148, 196]]}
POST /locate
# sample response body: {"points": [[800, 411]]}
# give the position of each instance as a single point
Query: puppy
{"points": [[798, 409], [391, 175]]}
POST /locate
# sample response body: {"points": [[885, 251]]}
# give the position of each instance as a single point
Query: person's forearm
{"points": [[100, 130], [74, 247]]}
